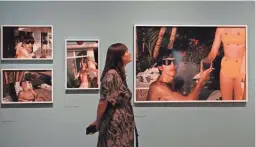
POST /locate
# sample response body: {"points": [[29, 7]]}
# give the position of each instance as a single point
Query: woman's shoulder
{"points": [[111, 74]]}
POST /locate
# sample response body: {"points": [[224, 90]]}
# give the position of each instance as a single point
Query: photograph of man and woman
{"points": [[26, 86], [190, 63], [82, 64], [26, 42]]}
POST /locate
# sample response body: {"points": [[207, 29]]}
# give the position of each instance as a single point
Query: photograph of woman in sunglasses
{"points": [[27, 86], [186, 59], [26, 42], [82, 64], [163, 89], [24, 49]]}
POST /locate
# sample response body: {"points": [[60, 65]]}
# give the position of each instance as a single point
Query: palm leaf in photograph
{"points": [[159, 42], [146, 40]]}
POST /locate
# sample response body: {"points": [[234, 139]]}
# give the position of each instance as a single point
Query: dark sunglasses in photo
{"points": [[29, 41], [169, 61]]}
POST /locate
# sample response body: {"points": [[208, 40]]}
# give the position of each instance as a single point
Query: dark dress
{"points": [[117, 125]]}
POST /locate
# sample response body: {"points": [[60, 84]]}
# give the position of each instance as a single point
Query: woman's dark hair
{"points": [[27, 38], [114, 60], [22, 82]]}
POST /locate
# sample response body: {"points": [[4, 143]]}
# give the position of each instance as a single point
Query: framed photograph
{"points": [[26, 86], [26, 42], [82, 64], [173, 63]]}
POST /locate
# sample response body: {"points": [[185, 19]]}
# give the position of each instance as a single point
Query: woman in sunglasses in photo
{"points": [[24, 49], [160, 89]]}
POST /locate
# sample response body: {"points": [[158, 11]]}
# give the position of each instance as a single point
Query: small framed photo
{"points": [[26, 86], [27, 42], [171, 63], [82, 64]]}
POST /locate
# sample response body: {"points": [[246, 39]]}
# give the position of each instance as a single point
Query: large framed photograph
{"points": [[26, 86], [26, 42], [190, 63], [82, 64]]}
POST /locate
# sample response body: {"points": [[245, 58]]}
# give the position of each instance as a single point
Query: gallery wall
{"points": [[165, 125]]}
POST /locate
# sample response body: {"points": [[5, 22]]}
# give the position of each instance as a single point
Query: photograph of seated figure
{"points": [[190, 63], [26, 42], [26, 86], [82, 64]]}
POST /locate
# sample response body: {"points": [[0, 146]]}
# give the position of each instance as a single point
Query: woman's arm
{"points": [[90, 59], [17, 48], [76, 75], [94, 62], [167, 94], [242, 69], [82, 62], [215, 45], [101, 109], [108, 94], [34, 93]]}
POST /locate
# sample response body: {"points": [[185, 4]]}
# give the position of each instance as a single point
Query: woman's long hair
{"points": [[114, 60]]}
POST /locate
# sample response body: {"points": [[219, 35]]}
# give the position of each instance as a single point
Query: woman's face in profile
{"points": [[126, 57], [169, 68]]}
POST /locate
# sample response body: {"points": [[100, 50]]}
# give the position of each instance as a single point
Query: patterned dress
{"points": [[117, 125]]}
